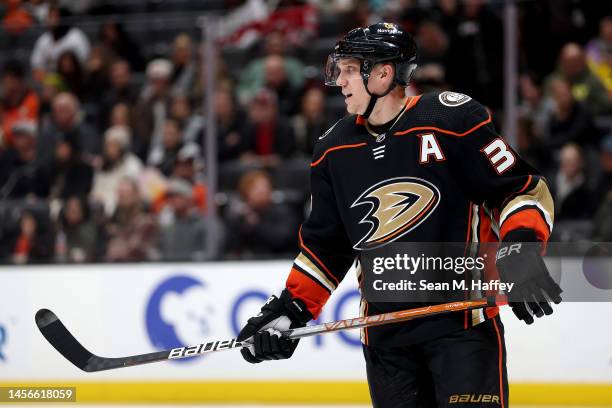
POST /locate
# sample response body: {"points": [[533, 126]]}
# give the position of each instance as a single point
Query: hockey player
{"points": [[465, 184]]}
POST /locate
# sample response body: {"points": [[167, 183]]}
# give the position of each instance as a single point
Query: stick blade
{"points": [[62, 340]]}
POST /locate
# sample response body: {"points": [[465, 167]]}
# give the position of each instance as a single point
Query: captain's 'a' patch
{"points": [[453, 99]]}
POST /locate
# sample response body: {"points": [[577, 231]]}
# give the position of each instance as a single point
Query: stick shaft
{"points": [[64, 342], [347, 324], [387, 318]]}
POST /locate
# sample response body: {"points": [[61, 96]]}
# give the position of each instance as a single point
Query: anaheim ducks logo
{"points": [[397, 206]]}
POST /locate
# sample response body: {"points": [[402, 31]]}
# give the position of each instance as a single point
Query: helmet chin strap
{"points": [[374, 97]]}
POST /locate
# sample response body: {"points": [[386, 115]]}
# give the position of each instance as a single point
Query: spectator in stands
{"points": [[121, 90], [261, 226], [276, 80], [34, 241], [163, 157], [586, 87], [16, 18], [38, 9], [447, 13], [271, 137], [115, 42], [599, 54], [58, 38], [153, 107], [121, 115], [71, 71], [432, 58], [571, 121], [18, 102], [118, 163], [191, 124], [20, 175], [187, 167], [534, 106], [232, 125], [253, 77], [531, 147], [184, 65], [312, 121], [133, 233], [433, 44], [78, 235], [51, 86], [573, 199], [97, 74], [68, 174], [66, 123], [604, 184], [183, 235]]}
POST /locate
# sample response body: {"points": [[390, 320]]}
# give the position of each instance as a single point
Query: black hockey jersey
{"points": [[468, 183]]}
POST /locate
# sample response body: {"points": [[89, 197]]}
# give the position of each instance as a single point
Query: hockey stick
{"points": [[63, 341]]}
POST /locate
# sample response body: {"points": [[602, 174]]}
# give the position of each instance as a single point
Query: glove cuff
{"points": [[296, 308]]}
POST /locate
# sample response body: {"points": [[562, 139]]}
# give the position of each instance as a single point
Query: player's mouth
{"points": [[347, 96]]}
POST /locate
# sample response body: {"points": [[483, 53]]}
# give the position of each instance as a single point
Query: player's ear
{"points": [[386, 71]]}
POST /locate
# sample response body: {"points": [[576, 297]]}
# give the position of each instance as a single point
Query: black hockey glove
{"points": [[277, 315], [519, 262]]}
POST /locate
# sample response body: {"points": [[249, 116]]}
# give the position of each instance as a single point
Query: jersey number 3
{"points": [[499, 155]]}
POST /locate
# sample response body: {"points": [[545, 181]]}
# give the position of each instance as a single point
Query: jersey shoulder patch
{"points": [[453, 99]]}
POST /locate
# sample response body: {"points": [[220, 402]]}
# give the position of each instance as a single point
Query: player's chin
{"points": [[352, 109]]}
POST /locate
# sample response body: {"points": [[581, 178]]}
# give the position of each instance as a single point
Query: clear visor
{"points": [[332, 71], [336, 64]]}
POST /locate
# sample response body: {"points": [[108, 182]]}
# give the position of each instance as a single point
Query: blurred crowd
{"points": [[102, 121]]}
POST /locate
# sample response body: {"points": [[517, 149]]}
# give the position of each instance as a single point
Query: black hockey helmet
{"points": [[380, 42]]}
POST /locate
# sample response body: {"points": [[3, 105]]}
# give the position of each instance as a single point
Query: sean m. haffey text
{"points": [[409, 264]]}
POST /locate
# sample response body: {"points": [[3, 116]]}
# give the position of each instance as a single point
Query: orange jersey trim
{"points": [[448, 132], [413, 101], [526, 185], [302, 287], [528, 218], [302, 245], [331, 149], [360, 120]]}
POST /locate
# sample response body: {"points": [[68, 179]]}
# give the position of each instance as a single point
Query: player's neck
{"points": [[387, 108]]}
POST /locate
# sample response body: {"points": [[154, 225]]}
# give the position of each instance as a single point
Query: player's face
{"points": [[349, 79]]}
